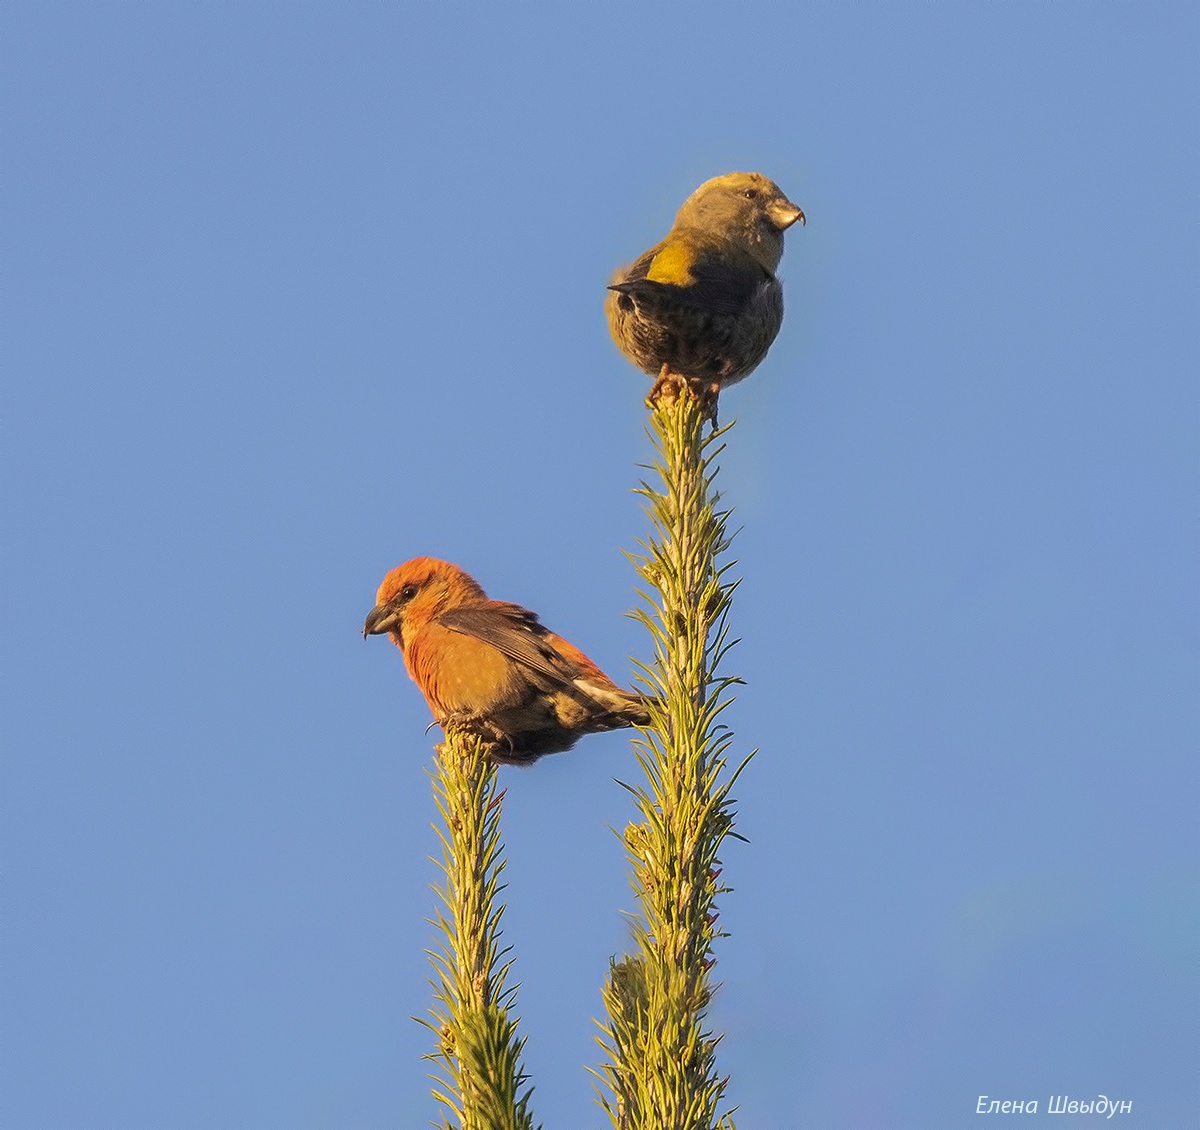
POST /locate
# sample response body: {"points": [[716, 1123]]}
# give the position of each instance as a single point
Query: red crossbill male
{"points": [[702, 307], [491, 669]]}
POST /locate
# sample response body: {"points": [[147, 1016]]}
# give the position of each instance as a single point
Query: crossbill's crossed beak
{"points": [[784, 213], [382, 618]]}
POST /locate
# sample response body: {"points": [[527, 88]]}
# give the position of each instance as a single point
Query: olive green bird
{"points": [[702, 307]]}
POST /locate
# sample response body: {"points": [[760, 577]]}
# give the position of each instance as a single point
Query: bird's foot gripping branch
{"points": [[482, 1083], [661, 1069], [671, 386]]}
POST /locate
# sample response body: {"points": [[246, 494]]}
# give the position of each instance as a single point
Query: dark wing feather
{"points": [[637, 270], [515, 631], [718, 286]]}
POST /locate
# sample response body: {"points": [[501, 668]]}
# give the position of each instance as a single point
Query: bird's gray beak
{"points": [[382, 618], [784, 213]]}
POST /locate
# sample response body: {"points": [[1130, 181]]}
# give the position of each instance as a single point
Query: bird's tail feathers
{"points": [[622, 708]]}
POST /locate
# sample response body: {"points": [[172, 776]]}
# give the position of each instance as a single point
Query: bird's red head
{"points": [[413, 593]]}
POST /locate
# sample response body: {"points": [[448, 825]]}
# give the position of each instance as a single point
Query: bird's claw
{"points": [[476, 726], [465, 720], [669, 385]]}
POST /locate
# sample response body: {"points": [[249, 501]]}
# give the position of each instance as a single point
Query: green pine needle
{"points": [[481, 1082], [661, 1072]]}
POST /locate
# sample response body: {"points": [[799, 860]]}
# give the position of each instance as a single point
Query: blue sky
{"points": [[293, 292]]}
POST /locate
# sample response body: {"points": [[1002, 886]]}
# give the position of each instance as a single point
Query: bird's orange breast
{"points": [[458, 673]]}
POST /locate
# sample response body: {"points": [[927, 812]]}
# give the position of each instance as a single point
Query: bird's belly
{"points": [[695, 343]]}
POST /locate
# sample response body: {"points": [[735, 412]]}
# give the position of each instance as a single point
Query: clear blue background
{"points": [[293, 292]]}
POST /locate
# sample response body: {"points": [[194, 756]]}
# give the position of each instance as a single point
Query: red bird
{"points": [[490, 668]]}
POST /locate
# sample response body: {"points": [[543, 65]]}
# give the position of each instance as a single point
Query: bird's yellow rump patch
{"points": [[673, 264]]}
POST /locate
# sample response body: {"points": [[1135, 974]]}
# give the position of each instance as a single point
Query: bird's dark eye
{"points": [[408, 592], [751, 194]]}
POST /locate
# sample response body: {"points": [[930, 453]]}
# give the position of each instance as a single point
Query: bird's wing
{"points": [[702, 278], [515, 632], [724, 287]]}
